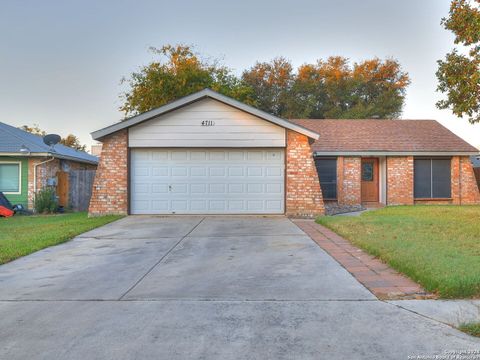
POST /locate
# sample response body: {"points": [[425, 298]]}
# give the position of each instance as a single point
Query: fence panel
{"points": [[81, 182]]}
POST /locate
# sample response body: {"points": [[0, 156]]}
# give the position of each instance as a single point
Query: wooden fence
{"points": [[80, 189], [74, 189]]}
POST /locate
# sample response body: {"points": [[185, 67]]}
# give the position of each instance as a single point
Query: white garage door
{"points": [[207, 181]]}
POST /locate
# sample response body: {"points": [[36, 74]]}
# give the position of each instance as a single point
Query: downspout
{"points": [[35, 174]]}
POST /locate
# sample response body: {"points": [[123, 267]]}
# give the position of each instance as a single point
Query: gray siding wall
{"points": [[207, 123]]}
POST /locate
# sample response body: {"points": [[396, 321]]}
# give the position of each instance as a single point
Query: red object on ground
{"points": [[5, 212]]}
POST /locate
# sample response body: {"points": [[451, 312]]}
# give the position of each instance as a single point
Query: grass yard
{"points": [[436, 246], [22, 235], [472, 329]]}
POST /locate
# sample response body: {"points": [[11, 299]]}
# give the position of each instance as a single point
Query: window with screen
{"points": [[327, 173], [432, 178], [10, 177]]}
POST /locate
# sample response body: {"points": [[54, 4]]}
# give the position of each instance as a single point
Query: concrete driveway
{"points": [[152, 287]]}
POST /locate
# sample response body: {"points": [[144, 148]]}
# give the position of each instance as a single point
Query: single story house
{"points": [[209, 154], [27, 165]]}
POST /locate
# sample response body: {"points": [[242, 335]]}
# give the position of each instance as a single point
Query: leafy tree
{"points": [[178, 72], [271, 84], [459, 74], [70, 140], [74, 142], [332, 88], [329, 89], [34, 129]]}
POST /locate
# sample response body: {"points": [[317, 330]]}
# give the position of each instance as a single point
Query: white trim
{"points": [[19, 192], [206, 93], [393, 153], [382, 179]]}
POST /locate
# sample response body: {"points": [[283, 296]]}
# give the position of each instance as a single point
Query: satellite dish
{"points": [[51, 139]]}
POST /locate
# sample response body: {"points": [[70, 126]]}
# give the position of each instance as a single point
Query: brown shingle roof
{"points": [[366, 135]]}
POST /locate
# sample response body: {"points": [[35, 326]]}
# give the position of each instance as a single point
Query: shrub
{"points": [[45, 201]]}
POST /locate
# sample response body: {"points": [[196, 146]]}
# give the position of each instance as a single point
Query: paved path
{"points": [[376, 276], [202, 288]]}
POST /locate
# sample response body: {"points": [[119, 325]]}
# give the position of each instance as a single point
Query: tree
{"points": [[459, 74], [332, 88], [70, 140], [74, 142], [178, 72], [329, 88], [34, 129], [272, 84]]}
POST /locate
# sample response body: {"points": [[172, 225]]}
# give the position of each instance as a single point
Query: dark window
{"points": [[367, 171], [432, 178], [327, 172]]}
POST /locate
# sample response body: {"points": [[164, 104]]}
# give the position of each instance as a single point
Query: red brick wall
{"points": [[400, 188], [400, 180], [349, 191], [469, 193], [303, 193], [109, 194]]}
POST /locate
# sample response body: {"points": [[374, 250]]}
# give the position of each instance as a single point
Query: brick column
{"points": [[469, 193], [349, 172], [303, 193], [455, 179], [110, 187], [400, 180]]}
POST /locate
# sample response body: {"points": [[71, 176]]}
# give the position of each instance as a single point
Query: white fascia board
{"points": [[394, 153]]}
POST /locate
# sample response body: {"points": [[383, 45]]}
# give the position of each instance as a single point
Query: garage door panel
{"points": [[201, 181]]}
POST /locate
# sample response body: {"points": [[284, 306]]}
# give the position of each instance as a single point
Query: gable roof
{"points": [[370, 136], [206, 93], [12, 139]]}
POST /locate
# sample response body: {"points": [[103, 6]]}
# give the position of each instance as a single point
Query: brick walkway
{"points": [[376, 276]]}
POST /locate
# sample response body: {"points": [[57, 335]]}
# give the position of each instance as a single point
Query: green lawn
{"points": [[471, 328], [22, 235], [437, 246]]}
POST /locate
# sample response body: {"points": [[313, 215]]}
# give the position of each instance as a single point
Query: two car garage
{"points": [[205, 154]]}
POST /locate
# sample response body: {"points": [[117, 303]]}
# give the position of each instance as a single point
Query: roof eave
{"points": [[189, 99], [46, 154], [394, 153]]}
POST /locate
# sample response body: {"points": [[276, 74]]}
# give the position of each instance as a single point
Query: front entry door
{"points": [[369, 180]]}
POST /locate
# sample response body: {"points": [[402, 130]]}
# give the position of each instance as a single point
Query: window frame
{"points": [[336, 175], [19, 163], [431, 159]]}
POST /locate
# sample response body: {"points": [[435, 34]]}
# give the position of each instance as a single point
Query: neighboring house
{"points": [[209, 154], [476, 167], [27, 165], [475, 161]]}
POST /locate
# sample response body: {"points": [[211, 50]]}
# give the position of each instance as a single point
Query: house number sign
{"points": [[208, 123]]}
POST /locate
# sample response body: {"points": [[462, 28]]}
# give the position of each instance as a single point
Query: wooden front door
{"points": [[369, 180]]}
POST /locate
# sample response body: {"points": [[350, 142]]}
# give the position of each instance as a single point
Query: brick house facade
{"points": [[175, 160]]}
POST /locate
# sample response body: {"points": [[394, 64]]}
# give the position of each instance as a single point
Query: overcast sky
{"points": [[61, 61]]}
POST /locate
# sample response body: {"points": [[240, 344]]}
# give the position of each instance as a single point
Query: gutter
{"points": [[46, 154]]}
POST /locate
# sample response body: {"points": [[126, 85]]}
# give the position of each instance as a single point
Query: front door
{"points": [[369, 180]]}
